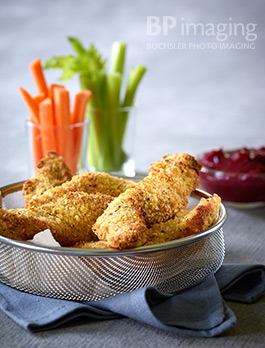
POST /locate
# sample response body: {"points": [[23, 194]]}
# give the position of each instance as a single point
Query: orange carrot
{"points": [[78, 116], [54, 127], [35, 132], [31, 104], [51, 95], [81, 100], [62, 120], [36, 144], [47, 126], [39, 98], [51, 89], [38, 76]]}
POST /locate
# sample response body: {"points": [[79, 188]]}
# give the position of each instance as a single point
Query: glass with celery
{"points": [[109, 111]]}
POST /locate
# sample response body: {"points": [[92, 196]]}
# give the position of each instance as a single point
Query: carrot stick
{"points": [[51, 95], [47, 126], [39, 98], [36, 135], [38, 76], [62, 115], [37, 153], [51, 89], [35, 132], [78, 116], [81, 100], [31, 104], [62, 120]]}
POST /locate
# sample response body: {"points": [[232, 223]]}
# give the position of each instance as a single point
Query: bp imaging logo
{"points": [[225, 35]]}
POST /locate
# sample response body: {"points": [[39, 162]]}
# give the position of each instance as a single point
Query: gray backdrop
{"points": [[191, 99]]}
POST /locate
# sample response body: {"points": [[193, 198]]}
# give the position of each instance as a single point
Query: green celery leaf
{"points": [[58, 62], [77, 46], [98, 62]]}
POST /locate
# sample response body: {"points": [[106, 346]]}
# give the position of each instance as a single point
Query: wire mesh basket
{"points": [[93, 274]]}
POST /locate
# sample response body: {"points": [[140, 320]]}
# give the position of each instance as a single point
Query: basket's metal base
{"points": [[93, 278]]}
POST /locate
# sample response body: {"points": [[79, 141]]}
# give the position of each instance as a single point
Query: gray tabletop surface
{"points": [[200, 92]]}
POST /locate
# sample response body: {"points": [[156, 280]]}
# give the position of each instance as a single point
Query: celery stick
{"points": [[101, 84], [95, 134], [134, 79], [113, 89], [87, 83], [118, 52], [113, 93], [105, 157], [93, 151]]}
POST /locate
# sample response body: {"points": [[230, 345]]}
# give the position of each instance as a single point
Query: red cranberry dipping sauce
{"points": [[236, 175]]}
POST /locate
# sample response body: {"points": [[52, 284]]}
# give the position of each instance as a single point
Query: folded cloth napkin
{"points": [[199, 311]]}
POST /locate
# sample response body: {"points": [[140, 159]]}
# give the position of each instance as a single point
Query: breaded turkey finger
{"points": [[159, 197], [52, 171], [70, 218], [192, 222], [91, 182]]}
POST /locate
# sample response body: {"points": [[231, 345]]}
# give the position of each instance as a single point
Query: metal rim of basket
{"points": [[4, 191]]}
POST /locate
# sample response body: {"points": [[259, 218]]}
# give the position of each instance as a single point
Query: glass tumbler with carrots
{"points": [[52, 125]]}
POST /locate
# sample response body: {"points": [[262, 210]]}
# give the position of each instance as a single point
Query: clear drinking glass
{"points": [[69, 141], [111, 140]]}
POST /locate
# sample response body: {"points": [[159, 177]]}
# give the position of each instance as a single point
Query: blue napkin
{"points": [[198, 312]]}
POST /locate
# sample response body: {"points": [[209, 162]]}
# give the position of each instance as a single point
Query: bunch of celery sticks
{"points": [[108, 109]]}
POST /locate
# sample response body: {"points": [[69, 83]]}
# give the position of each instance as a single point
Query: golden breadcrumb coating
{"points": [[20, 224], [192, 222], [159, 197], [100, 211], [91, 182], [52, 171], [98, 244], [187, 223], [69, 218]]}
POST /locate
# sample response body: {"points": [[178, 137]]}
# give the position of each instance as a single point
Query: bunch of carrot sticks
{"points": [[54, 127]]}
